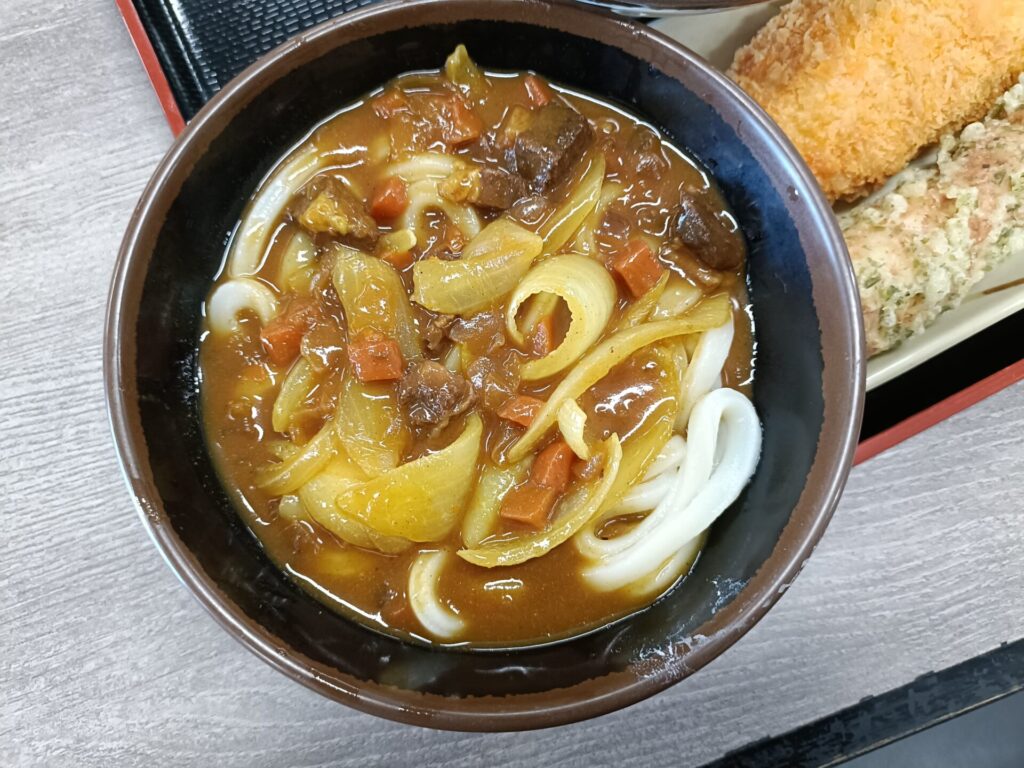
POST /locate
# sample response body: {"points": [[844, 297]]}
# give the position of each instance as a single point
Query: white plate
{"points": [[716, 37]]}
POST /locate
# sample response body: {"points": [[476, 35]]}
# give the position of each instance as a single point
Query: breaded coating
{"points": [[919, 249], [860, 86]]}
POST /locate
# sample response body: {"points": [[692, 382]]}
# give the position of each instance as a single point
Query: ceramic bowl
{"points": [[808, 392]]}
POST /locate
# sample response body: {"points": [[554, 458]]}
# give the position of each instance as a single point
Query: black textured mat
{"points": [[202, 44], [966, 716]]}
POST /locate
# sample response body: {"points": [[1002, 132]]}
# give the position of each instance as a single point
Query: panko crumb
{"points": [[861, 86], [919, 250]]}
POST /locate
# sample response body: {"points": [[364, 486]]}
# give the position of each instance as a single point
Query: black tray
{"points": [[199, 45]]}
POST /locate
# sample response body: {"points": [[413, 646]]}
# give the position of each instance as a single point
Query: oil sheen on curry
{"points": [[477, 369]]}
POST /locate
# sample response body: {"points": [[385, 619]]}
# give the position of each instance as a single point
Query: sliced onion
{"points": [[679, 297], [491, 265], [702, 375], [640, 310], [294, 390], [373, 296], [609, 353], [318, 497], [562, 224], [482, 513], [233, 297], [424, 196], [370, 425], [420, 500], [573, 512], [299, 254], [435, 616], [584, 241], [463, 72], [249, 245], [572, 422], [291, 508], [589, 292], [296, 470]]}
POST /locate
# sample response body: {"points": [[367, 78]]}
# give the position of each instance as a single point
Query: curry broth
{"points": [[536, 601]]}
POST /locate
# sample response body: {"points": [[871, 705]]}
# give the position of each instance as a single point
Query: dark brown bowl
{"points": [[809, 388]]}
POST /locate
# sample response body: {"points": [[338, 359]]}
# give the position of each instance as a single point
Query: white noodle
{"points": [[704, 369], [660, 579], [423, 197], [248, 248], [436, 617], [723, 424], [427, 165], [236, 295]]}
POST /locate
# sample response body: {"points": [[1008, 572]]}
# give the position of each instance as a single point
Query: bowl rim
{"points": [[843, 394]]}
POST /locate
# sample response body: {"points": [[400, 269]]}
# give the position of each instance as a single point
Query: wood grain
{"points": [[106, 660]]}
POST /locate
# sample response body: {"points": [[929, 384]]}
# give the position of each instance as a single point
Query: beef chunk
{"points": [[498, 188], [435, 330], [487, 187], [495, 379], [430, 394], [546, 151], [712, 238], [333, 209], [647, 155]]}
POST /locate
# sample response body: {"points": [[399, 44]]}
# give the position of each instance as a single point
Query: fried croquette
{"points": [[861, 86]]}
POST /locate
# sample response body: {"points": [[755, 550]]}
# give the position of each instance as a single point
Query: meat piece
{"points": [[430, 394], [487, 187], [693, 268], [515, 121], [546, 151], [613, 230], [712, 238], [334, 210], [645, 150], [436, 329], [482, 333], [494, 380], [435, 121]]}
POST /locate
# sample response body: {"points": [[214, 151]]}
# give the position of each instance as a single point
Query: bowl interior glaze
{"points": [[808, 391]]}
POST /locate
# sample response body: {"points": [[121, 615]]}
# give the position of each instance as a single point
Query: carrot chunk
{"points": [[638, 267], [537, 91], [463, 125], [553, 466], [529, 504], [390, 199], [375, 357], [520, 409], [542, 338], [282, 336]]}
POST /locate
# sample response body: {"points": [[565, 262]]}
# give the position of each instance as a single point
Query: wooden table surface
{"points": [[106, 660]]}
